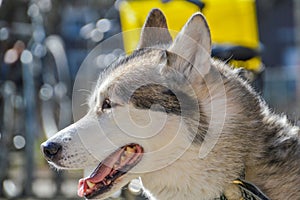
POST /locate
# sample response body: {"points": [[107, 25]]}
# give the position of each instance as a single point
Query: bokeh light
{"points": [[103, 25], [19, 142], [4, 33], [10, 56], [26, 57], [46, 92]]}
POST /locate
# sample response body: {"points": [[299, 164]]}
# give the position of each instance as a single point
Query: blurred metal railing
{"points": [[42, 63]]}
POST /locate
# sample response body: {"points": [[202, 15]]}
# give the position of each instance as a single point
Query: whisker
{"points": [[85, 90], [84, 104]]}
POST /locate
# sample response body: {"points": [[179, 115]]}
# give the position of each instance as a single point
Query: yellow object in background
{"points": [[231, 22], [234, 22], [133, 15]]}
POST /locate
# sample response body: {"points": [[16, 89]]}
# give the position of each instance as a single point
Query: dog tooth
{"points": [[88, 191], [130, 150], [123, 158], [90, 184], [108, 182]]}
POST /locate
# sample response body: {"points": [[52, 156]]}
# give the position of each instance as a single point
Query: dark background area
{"points": [[276, 22]]}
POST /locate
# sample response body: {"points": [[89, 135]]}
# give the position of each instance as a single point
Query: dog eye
{"points": [[106, 104]]}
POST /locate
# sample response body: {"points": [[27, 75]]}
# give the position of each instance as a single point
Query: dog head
{"points": [[143, 106]]}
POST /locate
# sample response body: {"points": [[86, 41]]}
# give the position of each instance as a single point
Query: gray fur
{"points": [[267, 144]]}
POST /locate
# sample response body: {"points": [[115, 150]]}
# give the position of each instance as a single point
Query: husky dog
{"points": [[186, 124]]}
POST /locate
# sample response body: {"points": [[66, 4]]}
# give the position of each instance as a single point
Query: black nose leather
{"points": [[51, 150]]}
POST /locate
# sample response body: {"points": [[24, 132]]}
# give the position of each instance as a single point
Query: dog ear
{"points": [[191, 48], [155, 30]]}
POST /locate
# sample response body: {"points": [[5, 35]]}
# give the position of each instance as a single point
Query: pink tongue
{"points": [[99, 174]]}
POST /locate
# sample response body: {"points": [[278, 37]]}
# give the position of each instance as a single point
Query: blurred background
{"points": [[44, 42]]}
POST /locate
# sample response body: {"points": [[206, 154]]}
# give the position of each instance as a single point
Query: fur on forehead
{"points": [[188, 55], [129, 68]]}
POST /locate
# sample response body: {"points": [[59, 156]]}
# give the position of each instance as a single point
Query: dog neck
{"points": [[190, 177], [274, 162]]}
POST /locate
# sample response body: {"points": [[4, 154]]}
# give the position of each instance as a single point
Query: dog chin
{"points": [[116, 187], [111, 173]]}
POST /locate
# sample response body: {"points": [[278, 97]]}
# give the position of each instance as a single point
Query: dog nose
{"points": [[51, 150]]}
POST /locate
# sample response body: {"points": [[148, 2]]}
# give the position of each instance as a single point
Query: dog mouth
{"points": [[110, 170]]}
